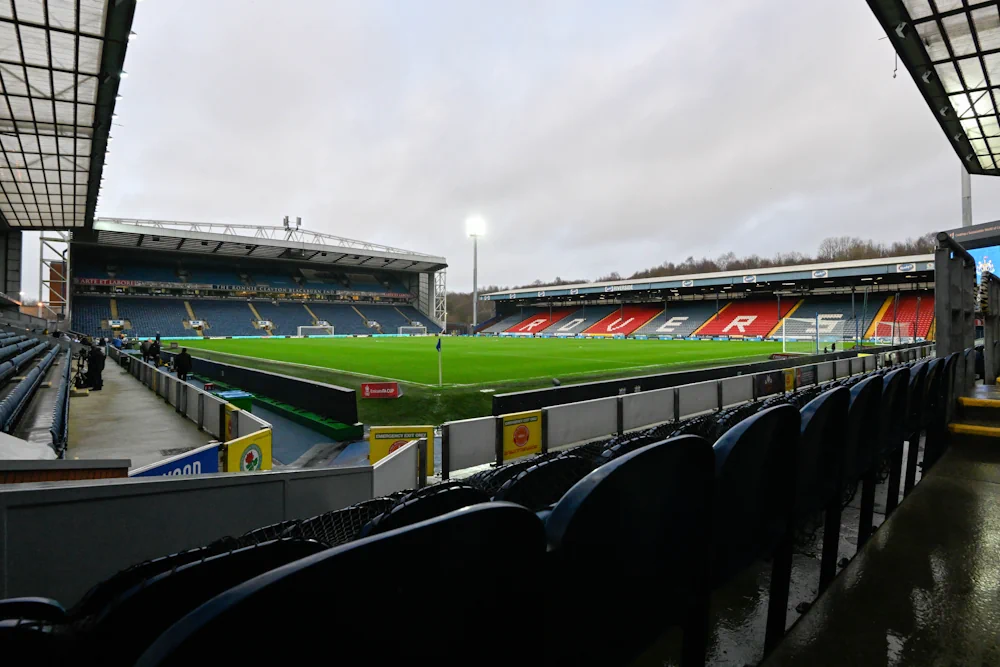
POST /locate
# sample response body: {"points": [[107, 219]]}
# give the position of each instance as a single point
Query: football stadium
{"points": [[212, 428]]}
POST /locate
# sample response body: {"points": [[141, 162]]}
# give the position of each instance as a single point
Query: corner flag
{"points": [[439, 361]]}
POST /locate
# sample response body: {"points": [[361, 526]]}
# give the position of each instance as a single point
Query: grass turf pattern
{"points": [[493, 362]]}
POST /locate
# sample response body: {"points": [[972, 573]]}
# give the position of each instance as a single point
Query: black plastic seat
{"points": [[755, 491], [544, 483], [937, 433], [859, 456], [890, 429], [820, 467], [630, 544], [120, 633], [381, 600], [423, 504]]}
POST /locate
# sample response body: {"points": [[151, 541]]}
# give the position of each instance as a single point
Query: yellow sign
{"points": [[790, 379], [522, 434], [384, 440], [251, 453], [227, 431]]}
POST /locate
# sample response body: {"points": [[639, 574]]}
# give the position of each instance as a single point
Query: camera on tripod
{"points": [[80, 375]]}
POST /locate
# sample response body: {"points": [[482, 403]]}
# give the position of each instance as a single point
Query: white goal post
{"points": [[412, 331], [894, 333], [321, 330], [798, 330]]}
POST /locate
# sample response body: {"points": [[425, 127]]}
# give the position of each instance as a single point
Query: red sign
{"points": [[381, 390]]}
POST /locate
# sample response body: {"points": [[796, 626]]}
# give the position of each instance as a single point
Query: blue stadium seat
{"points": [[630, 544], [366, 590], [148, 272], [207, 276], [890, 429], [388, 317], [344, 318], [287, 317], [89, 312], [819, 470], [151, 316], [227, 318], [755, 491]]}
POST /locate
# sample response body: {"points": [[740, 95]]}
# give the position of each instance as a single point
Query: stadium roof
{"points": [[255, 242], [912, 267], [60, 65], [952, 50]]}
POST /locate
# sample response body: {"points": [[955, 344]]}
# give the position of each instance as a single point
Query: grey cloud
{"points": [[593, 140]]}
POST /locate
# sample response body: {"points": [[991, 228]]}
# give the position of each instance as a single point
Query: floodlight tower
{"points": [[475, 226]]}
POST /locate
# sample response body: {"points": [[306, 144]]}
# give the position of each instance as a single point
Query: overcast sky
{"points": [[593, 136]]}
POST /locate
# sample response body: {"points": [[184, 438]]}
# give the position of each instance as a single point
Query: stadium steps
{"points": [[978, 415], [311, 314], [114, 309], [360, 314], [191, 315], [401, 312], [257, 317], [870, 331], [711, 319], [777, 327]]}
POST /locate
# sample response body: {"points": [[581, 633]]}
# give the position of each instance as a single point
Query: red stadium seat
{"points": [[747, 318], [540, 321], [625, 320], [907, 311]]}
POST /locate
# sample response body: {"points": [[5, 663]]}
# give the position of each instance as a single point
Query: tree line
{"points": [[832, 249]]}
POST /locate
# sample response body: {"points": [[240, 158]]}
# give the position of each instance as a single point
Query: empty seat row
{"points": [[14, 403], [609, 544]]}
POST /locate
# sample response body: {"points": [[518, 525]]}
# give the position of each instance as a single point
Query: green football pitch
{"points": [[473, 368], [491, 361]]}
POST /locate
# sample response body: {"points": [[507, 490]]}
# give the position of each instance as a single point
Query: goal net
{"points": [[326, 330], [412, 331], [894, 333], [798, 334]]}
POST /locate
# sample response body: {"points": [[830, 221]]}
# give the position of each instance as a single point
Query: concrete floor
{"points": [[126, 420], [926, 588]]}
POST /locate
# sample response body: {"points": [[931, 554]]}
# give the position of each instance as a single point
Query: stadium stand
{"points": [[624, 320], [391, 318], [85, 269], [89, 312], [149, 317], [541, 321], [836, 319], [272, 280], [513, 319], [906, 312], [151, 273], [345, 319], [580, 320], [286, 317], [206, 276], [749, 317], [226, 318], [679, 320], [413, 314]]}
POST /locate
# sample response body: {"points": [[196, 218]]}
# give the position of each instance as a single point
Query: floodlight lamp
{"points": [[475, 225]]}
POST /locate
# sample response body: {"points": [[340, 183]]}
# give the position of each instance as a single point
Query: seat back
{"points": [[819, 459], [949, 383], [755, 488], [543, 484], [643, 522], [892, 415], [915, 396], [379, 598], [931, 401], [862, 429], [122, 631], [423, 504]]}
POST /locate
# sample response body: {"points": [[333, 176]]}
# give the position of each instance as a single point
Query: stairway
{"points": [[192, 316], [978, 415], [361, 315], [114, 309], [258, 318], [311, 313]]}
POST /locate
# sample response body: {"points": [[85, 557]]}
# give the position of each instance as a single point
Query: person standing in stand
{"points": [[95, 366]]}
